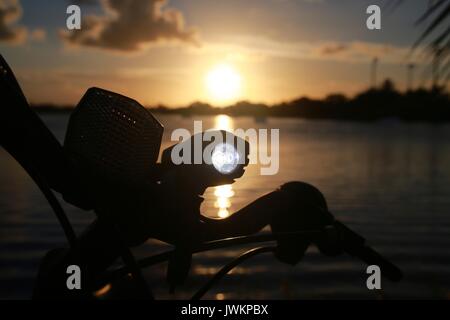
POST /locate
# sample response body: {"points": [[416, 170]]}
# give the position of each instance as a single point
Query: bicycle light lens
{"points": [[225, 158]]}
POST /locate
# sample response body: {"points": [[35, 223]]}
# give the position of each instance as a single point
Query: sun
{"points": [[223, 83]]}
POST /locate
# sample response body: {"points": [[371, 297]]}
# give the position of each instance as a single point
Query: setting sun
{"points": [[223, 83]]}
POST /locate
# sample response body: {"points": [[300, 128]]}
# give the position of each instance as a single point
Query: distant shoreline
{"points": [[371, 105]]}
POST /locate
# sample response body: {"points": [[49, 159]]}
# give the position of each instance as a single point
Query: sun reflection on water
{"points": [[223, 193]]}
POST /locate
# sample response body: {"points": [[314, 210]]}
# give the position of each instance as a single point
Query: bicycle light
{"points": [[209, 158], [225, 158]]}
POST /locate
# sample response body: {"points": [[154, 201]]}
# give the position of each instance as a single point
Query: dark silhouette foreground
{"points": [[108, 165]]}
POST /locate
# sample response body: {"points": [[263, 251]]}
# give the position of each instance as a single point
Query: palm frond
{"points": [[445, 13], [430, 10], [442, 37]]}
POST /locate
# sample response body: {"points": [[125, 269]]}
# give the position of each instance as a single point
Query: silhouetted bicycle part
{"points": [[31, 143]]}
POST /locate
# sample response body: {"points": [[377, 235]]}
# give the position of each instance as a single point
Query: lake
{"points": [[389, 181]]}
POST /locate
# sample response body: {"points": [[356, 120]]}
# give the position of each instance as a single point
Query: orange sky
{"points": [[164, 53]]}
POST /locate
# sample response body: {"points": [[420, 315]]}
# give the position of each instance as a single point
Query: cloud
{"points": [[259, 49], [131, 25], [10, 12], [38, 35], [83, 2], [331, 49], [359, 50]]}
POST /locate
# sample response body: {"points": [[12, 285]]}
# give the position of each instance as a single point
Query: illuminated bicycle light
{"points": [[225, 158]]}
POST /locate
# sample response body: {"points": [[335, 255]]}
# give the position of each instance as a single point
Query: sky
{"points": [[180, 51]]}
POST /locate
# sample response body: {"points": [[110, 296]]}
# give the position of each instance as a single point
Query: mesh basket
{"points": [[113, 137]]}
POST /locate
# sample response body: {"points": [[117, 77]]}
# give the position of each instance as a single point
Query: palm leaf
{"points": [[434, 24], [441, 38], [430, 10]]}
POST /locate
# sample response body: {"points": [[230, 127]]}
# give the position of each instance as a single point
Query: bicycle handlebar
{"points": [[351, 243]]}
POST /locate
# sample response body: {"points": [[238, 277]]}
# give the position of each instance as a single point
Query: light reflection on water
{"points": [[389, 181], [223, 201]]}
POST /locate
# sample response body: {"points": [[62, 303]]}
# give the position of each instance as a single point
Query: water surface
{"points": [[390, 181]]}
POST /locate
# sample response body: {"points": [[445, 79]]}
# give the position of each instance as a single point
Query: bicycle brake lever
{"points": [[353, 244]]}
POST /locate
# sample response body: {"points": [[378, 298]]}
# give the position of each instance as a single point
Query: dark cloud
{"points": [[10, 12], [333, 49], [130, 25], [83, 2]]}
